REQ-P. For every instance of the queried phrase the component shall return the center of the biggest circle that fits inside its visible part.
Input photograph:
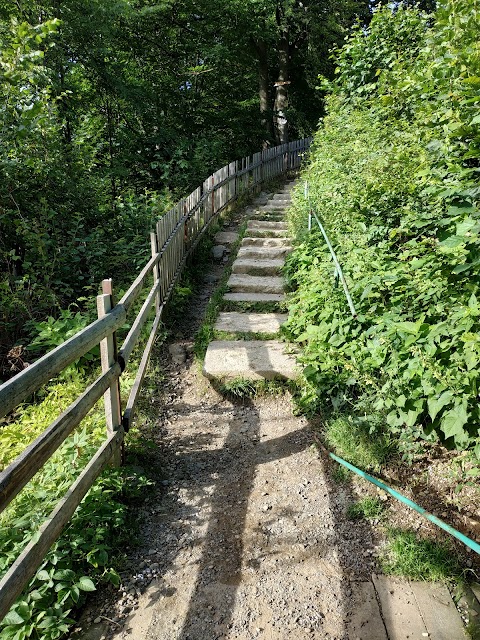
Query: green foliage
(419, 559)
(80, 559)
(53, 332)
(368, 508)
(394, 176)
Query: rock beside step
(258, 266)
(248, 359)
(245, 296)
(255, 284)
(226, 237)
(234, 322)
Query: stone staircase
(256, 278)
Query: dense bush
(394, 176)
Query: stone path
(256, 277)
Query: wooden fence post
(108, 354)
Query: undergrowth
(393, 174)
(243, 388)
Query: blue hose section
(413, 505)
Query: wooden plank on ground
(399, 609)
(438, 611)
(366, 621)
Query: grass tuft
(419, 559)
(243, 388)
(351, 439)
(367, 508)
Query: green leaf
(85, 584)
(465, 226)
(452, 242)
(454, 420)
(43, 575)
(436, 404)
(12, 618)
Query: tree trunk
(261, 51)
(281, 97)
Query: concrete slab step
(268, 253)
(274, 207)
(366, 621)
(255, 284)
(267, 224)
(280, 199)
(255, 266)
(266, 233)
(265, 242)
(235, 322)
(248, 359)
(416, 610)
(243, 296)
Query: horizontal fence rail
(174, 239)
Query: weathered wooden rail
(176, 235)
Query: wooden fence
(176, 235)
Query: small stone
(97, 620)
(217, 251)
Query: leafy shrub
(393, 174)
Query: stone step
(266, 224)
(267, 233)
(234, 322)
(265, 242)
(274, 207)
(258, 266)
(273, 216)
(254, 297)
(255, 284)
(248, 359)
(269, 253)
(282, 200)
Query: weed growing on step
(340, 474)
(419, 559)
(253, 307)
(243, 335)
(243, 388)
(368, 508)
